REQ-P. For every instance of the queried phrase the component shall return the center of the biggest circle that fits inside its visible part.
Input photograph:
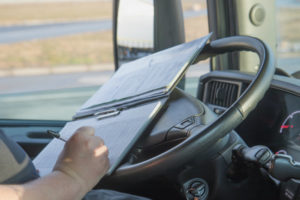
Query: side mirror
(142, 27)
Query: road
(58, 97)
(13, 34)
(21, 84)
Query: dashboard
(276, 120)
(274, 123)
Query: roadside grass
(288, 25)
(288, 32)
(24, 13)
(79, 49)
(82, 49)
(28, 13)
(195, 27)
(193, 4)
(96, 48)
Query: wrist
(73, 180)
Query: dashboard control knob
(196, 189)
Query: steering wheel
(207, 135)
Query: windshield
(56, 54)
(288, 29)
(279, 28)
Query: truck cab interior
(229, 133)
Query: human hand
(84, 158)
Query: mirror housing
(139, 31)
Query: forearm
(81, 164)
(54, 186)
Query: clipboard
(123, 108)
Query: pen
(56, 135)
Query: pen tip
(54, 134)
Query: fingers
(82, 134)
(87, 157)
(87, 130)
(101, 150)
(87, 136)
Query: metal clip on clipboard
(107, 113)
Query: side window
(288, 28)
(53, 56)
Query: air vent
(221, 93)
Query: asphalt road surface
(58, 97)
(21, 84)
(13, 34)
(60, 104)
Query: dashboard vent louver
(222, 93)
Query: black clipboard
(123, 108)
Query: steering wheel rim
(230, 119)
